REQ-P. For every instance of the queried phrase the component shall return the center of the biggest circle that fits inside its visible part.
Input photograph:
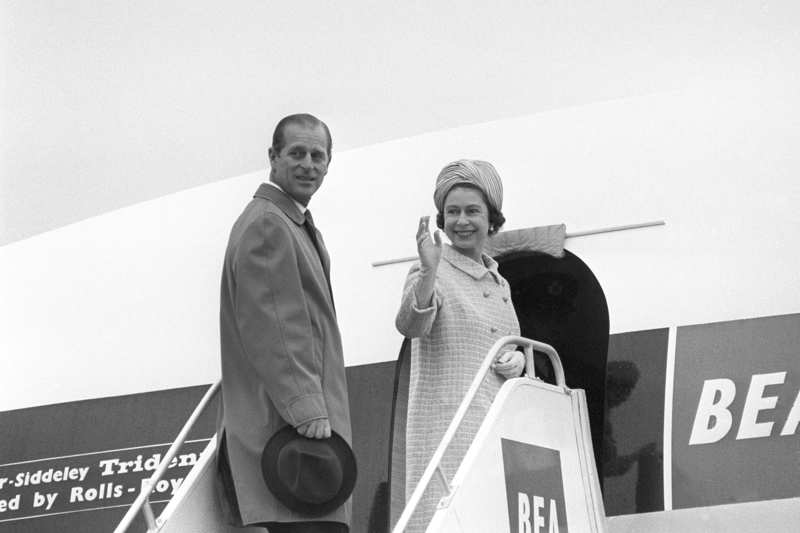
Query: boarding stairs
(530, 468)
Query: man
(281, 351)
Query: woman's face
(466, 221)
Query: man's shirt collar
(300, 206)
(286, 203)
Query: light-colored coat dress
(281, 351)
(471, 308)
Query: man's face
(301, 165)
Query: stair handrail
(434, 466)
(142, 501)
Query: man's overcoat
(282, 359)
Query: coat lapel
(470, 267)
(282, 200)
(288, 206)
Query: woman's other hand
(509, 364)
(429, 250)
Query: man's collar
(300, 206)
(465, 264)
(287, 204)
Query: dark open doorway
(560, 302)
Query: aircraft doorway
(560, 302)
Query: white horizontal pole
(572, 235)
(615, 228)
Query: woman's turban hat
(480, 174)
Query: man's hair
(302, 119)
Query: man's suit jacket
(281, 351)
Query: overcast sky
(106, 104)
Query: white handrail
(142, 502)
(434, 467)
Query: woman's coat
(470, 310)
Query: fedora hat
(309, 476)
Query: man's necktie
(312, 233)
(311, 229)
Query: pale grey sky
(106, 104)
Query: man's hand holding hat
(315, 429)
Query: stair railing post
(147, 509)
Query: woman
(455, 306)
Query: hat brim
(269, 470)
